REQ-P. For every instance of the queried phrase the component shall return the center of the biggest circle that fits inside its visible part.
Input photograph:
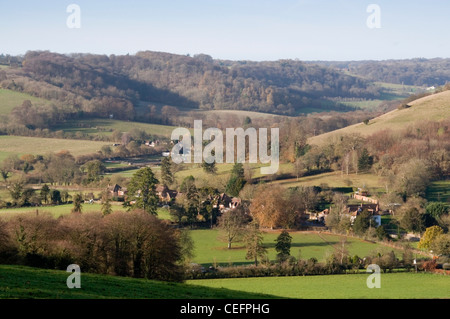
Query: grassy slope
(333, 179)
(106, 126)
(38, 145)
(10, 99)
(27, 282)
(439, 191)
(434, 107)
(393, 285)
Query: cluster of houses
(353, 210)
(223, 202)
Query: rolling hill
(435, 107)
(26, 282)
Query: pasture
(38, 145)
(393, 286)
(65, 209)
(10, 99)
(26, 282)
(439, 191)
(105, 127)
(334, 180)
(210, 249)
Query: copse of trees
(133, 243)
(274, 206)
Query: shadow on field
(299, 245)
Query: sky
(260, 30)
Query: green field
(210, 249)
(334, 179)
(38, 145)
(393, 286)
(439, 191)
(107, 126)
(61, 210)
(10, 99)
(26, 282)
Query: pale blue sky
(231, 29)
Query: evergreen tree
(77, 203)
(166, 171)
(362, 222)
(365, 161)
(44, 194)
(236, 181)
(55, 196)
(209, 168)
(106, 204)
(283, 246)
(141, 190)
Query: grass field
(62, 210)
(439, 191)
(106, 126)
(393, 286)
(209, 249)
(334, 179)
(10, 99)
(25, 282)
(38, 145)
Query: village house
(225, 202)
(352, 211)
(151, 143)
(355, 210)
(165, 194)
(117, 191)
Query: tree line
(135, 244)
(419, 71)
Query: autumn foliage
(135, 244)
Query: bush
(429, 265)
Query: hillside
(434, 107)
(26, 282)
(41, 146)
(102, 85)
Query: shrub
(429, 265)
